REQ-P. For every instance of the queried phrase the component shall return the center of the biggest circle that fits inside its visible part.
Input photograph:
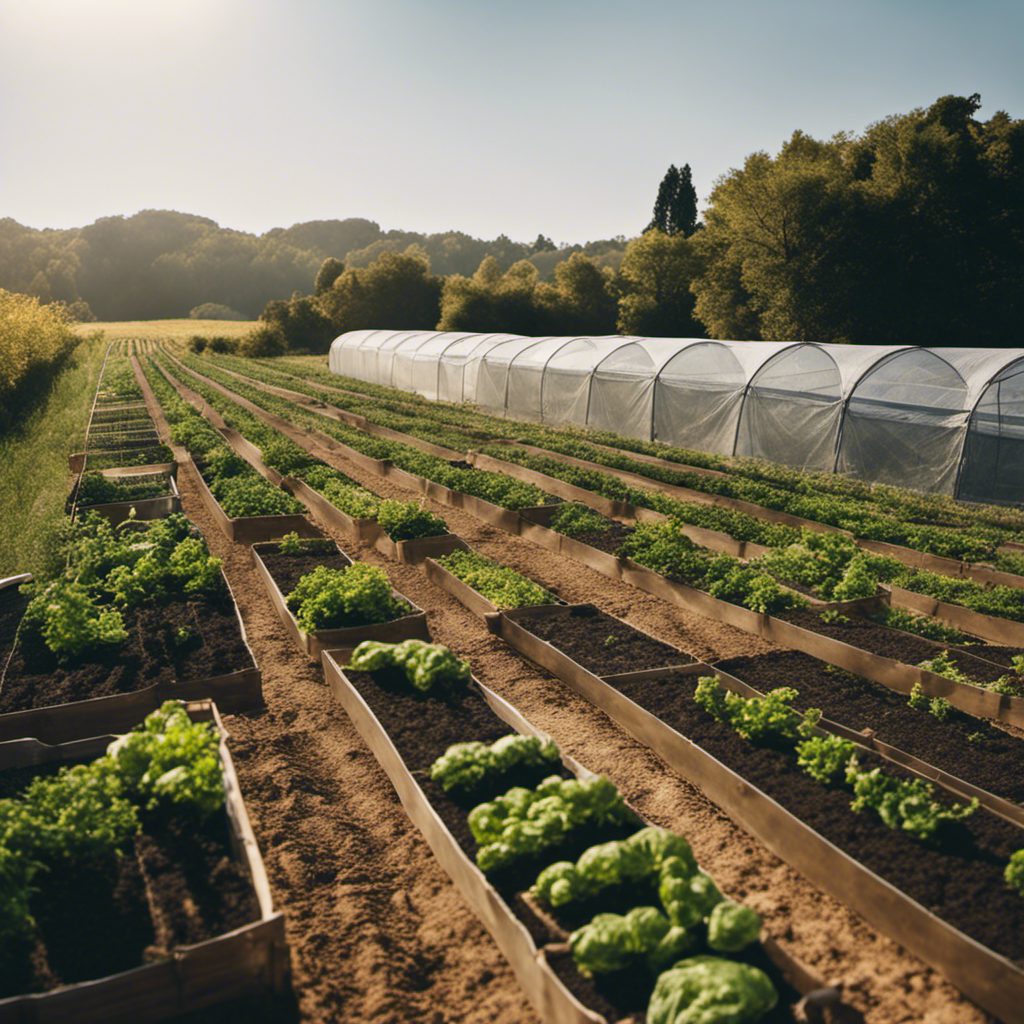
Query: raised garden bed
(281, 573)
(186, 918)
(407, 731)
(250, 529)
(182, 649)
(146, 508)
(657, 709)
(969, 748)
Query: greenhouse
(949, 421)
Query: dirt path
(377, 932)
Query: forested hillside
(161, 264)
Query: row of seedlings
(601, 916)
(124, 466)
(929, 524)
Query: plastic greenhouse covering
(944, 420)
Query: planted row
(871, 511)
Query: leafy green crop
(468, 766)
(408, 520)
(71, 622)
(524, 822)
(575, 519)
(357, 595)
(502, 586)
(90, 812)
(711, 990)
(1014, 873)
(426, 666)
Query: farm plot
(377, 893)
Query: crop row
(825, 562)
(767, 484)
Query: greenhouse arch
(948, 421)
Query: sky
(484, 116)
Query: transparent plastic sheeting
(949, 421)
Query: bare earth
(377, 931)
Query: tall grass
(34, 477)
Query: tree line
(161, 264)
(910, 233)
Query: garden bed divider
(413, 552)
(554, 1003)
(992, 981)
(407, 627)
(1004, 632)
(241, 690)
(249, 960)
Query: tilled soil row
(377, 931)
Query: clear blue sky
(481, 116)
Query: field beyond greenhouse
(636, 604)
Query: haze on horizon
(430, 116)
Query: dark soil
(582, 632)
(992, 759)
(1000, 655)
(287, 570)
(961, 881)
(871, 636)
(12, 607)
(609, 540)
(151, 654)
(179, 885)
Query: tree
(330, 270)
(656, 273)
(675, 209)
(542, 244)
(912, 233)
(397, 291)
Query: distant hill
(161, 264)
